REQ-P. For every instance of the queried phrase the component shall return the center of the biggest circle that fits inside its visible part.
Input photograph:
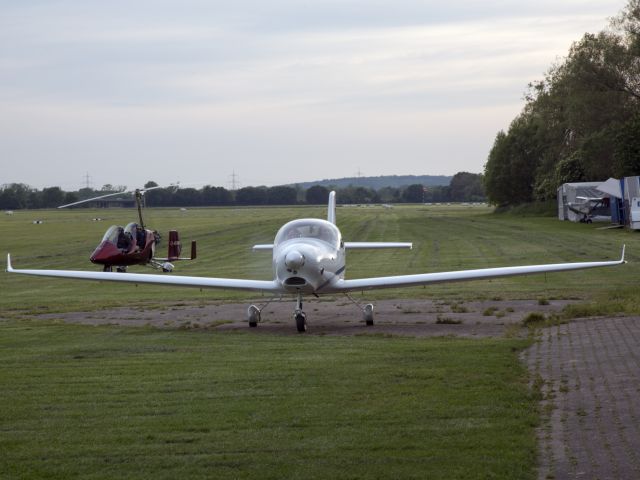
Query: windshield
(320, 229)
(112, 234)
(131, 228)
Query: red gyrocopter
(134, 244)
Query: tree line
(464, 187)
(581, 122)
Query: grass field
(97, 402)
(445, 238)
(115, 402)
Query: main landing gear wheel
(301, 322)
(367, 312)
(253, 315)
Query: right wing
(154, 279)
(464, 275)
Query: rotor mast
(139, 197)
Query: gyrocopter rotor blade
(138, 192)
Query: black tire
(301, 322)
(368, 315)
(253, 324)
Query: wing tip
(9, 267)
(622, 260)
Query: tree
(15, 196)
(216, 196)
(413, 193)
(466, 187)
(627, 149)
(282, 195)
(52, 197)
(571, 126)
(317, 195)
(251, 196)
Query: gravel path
(590, 376)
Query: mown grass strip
(106, 402)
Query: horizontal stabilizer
(356, 245)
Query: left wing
(483, 273)
(199, 282)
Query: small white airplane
(309, 259)
(586, 206)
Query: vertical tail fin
(331, 209)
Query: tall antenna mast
(87, 180)
(234, 182)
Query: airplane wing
(139, 278)
(591, 199)
(462, 275)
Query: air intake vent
(297, 281)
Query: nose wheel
(299, 315)
(301, 322)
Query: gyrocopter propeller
(134, 244)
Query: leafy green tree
(15, 196)
(577, 121)
(251, 196)
(52, 197)
(413, 194)
(317, 195)
(627, 149)
(282, 195)
(466, 187)
(216, 196)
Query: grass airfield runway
(204, 395)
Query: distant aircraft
(587, 206)
(134, 244)
(309, 259)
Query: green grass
(445, 238)
(111, 402)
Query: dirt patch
(335, 317)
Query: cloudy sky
(277, 91)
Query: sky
(275, 92)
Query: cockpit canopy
(309, 228)
(116, 231)
(112, 234)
